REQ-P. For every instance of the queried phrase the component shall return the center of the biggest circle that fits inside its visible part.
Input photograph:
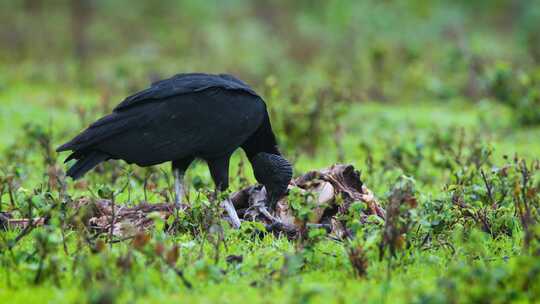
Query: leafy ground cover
(436, 103)
(458, 243)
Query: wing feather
(184, 84)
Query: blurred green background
(375, 50)
(334, 73)
(302, 56)
(395, 48)
(338, 76)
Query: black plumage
(182, 118)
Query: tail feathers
(86, 163)
(74, 155)
(103, 129)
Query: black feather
(182, 118)
(86, 163)
(184, 84)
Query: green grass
(325, 275)
(443, 92)
(325, 279)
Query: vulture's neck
(269, 167)
(263, 140)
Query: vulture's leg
(179, 167)
(178, 186)
(219, 169)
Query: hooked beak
(274, 172)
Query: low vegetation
(435, 103)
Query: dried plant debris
(315, 199)
(8, 222)
(398, 222)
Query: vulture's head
(274, 172)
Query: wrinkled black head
(274, 172)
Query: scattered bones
(328, 192)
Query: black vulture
(182, 118)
